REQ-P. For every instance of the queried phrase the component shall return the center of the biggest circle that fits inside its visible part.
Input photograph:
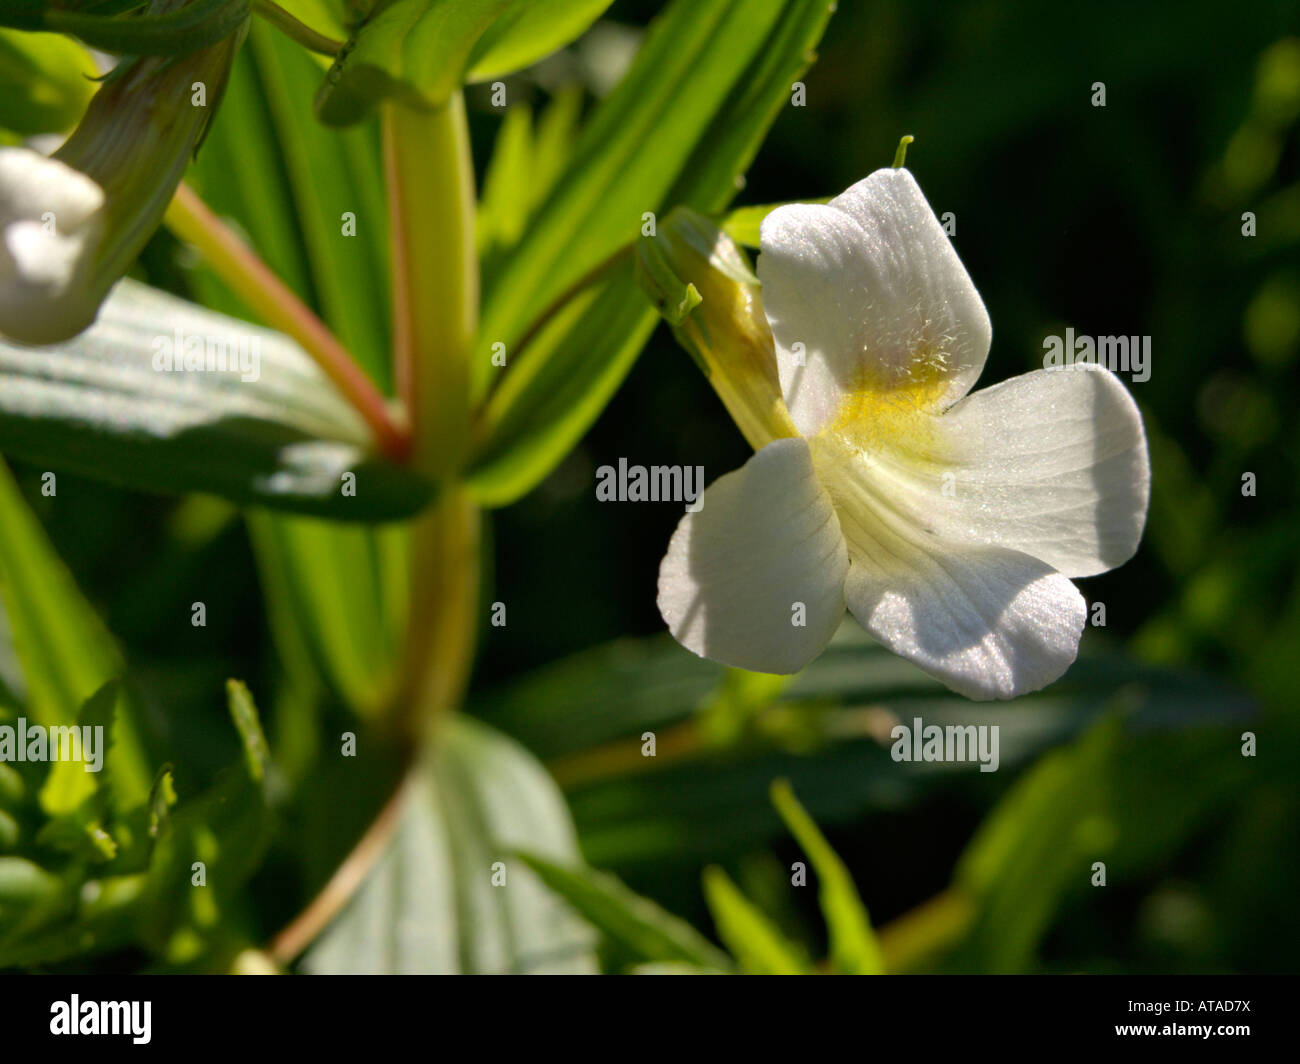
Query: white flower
(51, 223)
(948, 524)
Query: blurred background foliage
(1122, 220)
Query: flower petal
(987, 621)
(872, 289)
(1054, 465)
(765, 540)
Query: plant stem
(293, 28)
(275, 303)
(435, 275)
(435, 318)
(442, 622)
(298, 935)
(674, 744)
(430, 177)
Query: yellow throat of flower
(894, 408)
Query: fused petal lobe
(1054, 465)
(755, 578)
(988, 621)
(867, 295)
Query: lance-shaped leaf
(424, 50)
(65, 652)
(529, 30)
(112, 404)
(748, 932)
(632, 922)
(854, 949)
(679, 130)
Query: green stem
(430, 179)
(435, 275)
(442, 621)
(296, 30)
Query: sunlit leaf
(755, 941)
(854, 950)
(528, 31)
(633, 922)
(421, 51)
(96, 405)
(429, 905)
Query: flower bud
(51, 223)
(702, 284)
(71, 225)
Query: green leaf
(743, 224)
(162, 30)
(96, 405)
(330, 173)
(22, 882)
(710, 801)
(45, 82)
(80, 804)
(629, 920)
(257, 755)
(345, 629)
(66, 654)
(162, 796)
(854, 949)
(429, 904)
(508, 195)
(421, 51)
(287, 183)
(415, 50)
(548, 401)
(679, 129)
(528, 31)
(606, 694)
(1121, 794)
(329, 17)
(754, 940)
(221, 833)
